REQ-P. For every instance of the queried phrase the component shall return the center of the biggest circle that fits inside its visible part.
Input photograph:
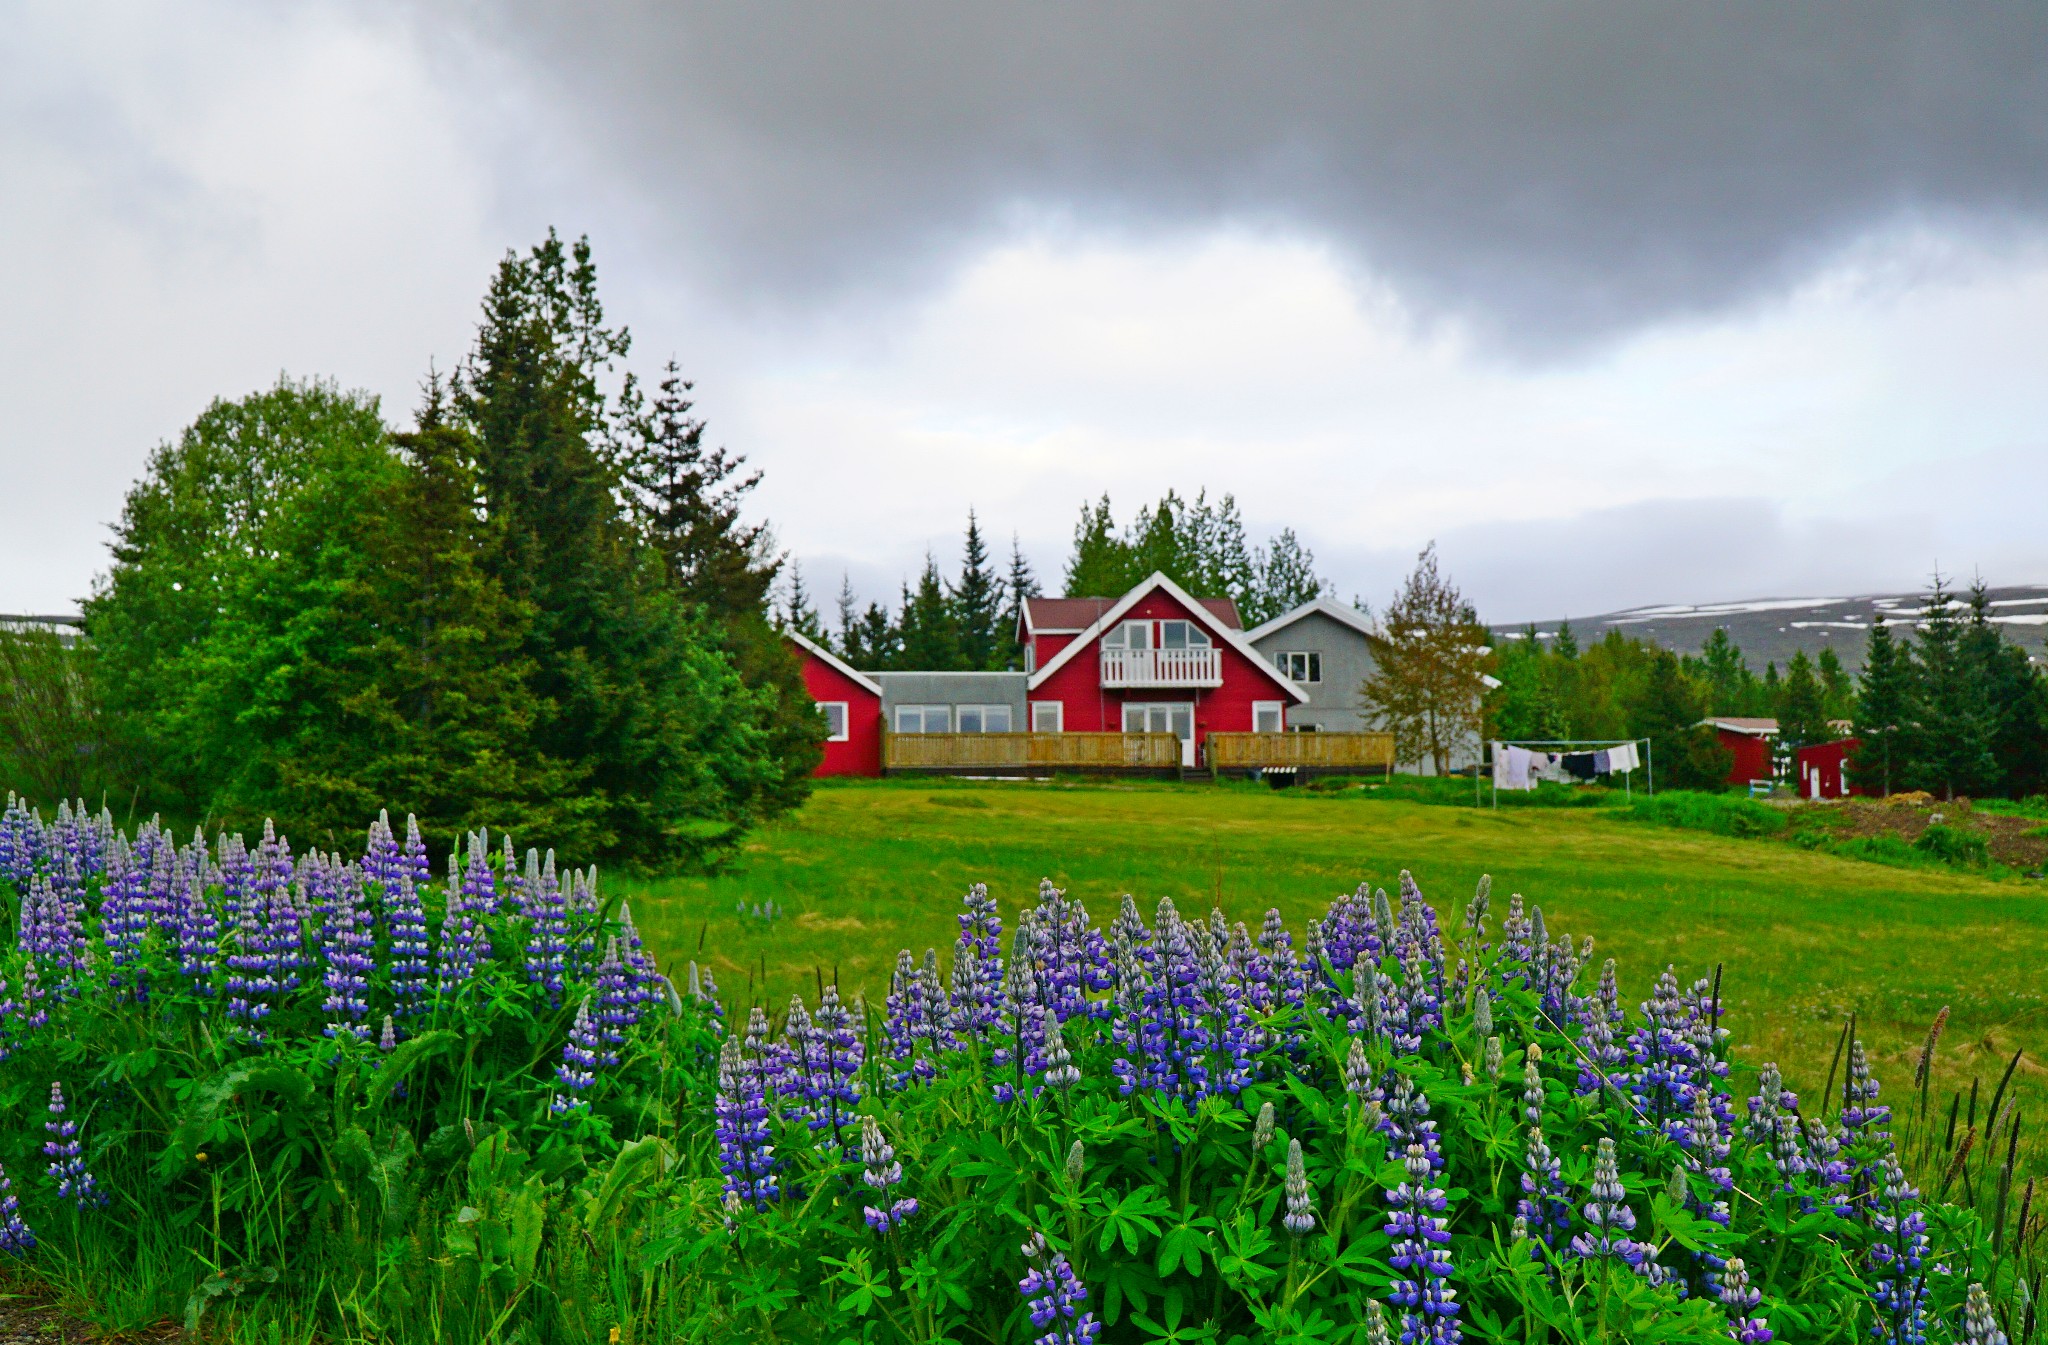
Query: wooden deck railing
(955, 751)
(1324, 751)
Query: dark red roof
(1058, 614)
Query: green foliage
(1883, 712)
(1200, 545)
(1953, 845)
(54, 739)
(1802, 706)
(1722, 814)
(234, 560)
(1953, 721)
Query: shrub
(1953, 845)
(1170, 1128)
(1723, 814)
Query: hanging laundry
(1579, 765)
(1519, 761)
(1500, 766)
(1600, 766)
(1623, 758)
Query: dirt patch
(2017, 842)
(28, 1317)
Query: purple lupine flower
(67, 1163)
(1980, 1324)
(586, 918)
(196, 927)
(253, 978)
(1665, 1058)
(20, 841)
(9, 1007)
(1165, 1036)
(464, 942)
(1545, 1209)
(1897, 1257)
(618, 1009)
(1407, 1125)
(1275, 978)
(1862, 1116)
(16, 1239)
(1603, 1059)
(1376, 1332)
(413, 861)
(1024, 1011)
(547, 936)
(34, 1013)
(1237, 1036)
(1357, 1074)
(1771, 1101)
(835, 1051)
(1060, 1071)
(977, 986)
(1073, 959)
(1054, 1295)
(124, 918)
(1740, 1299)
(1609, 1220)
(582, 1055)
(407, 920)
(346, 944)
(1532, 1085)
(883, 1174)
(382, 864)
(914, 1016)
(387, 1040)
(1421, 1255)
(1516, 950)
(740, 1109)
(1830, 1170)
(647, 981)
(1300, 1219)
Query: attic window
(1182, 635)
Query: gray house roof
(1329, 607)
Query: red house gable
(1045, 626)
(1749, 742)
(855, 701)
(1196, 675)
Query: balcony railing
(1162, 668)
(1323, 751)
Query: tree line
(537, 605)
(970, 621)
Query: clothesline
(1516, 767)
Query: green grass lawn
(868, 868)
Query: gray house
(1321, 647)
(952, 702)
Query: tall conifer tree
(1953, 721)
(1884, 696)
(976, 599)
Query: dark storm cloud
(1554, 171)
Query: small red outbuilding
(1823, 770)
(852, 705)
(1751, 741)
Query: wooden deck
(1311, 751)
(1026, 751)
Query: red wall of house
(1752, 756)
(1222, 709)
(1048, 647)
(1827, 759)
(861, 753)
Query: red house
(1823, 770)
(1752, 741)
(852, 705)
(1155, 660)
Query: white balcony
(1162, 668)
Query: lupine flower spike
(67, 1165)
(883, 1175)
(1054, 1295)
(1300, 1219)
(1741, 1300)
(1980, 1327)
(15, 1237)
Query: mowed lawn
(1804, 939)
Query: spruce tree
(872, 641)
(1287, 578)
(976, 600)
(1726, 674)
(1101, 564)
(1838, 690)
(2016, 696)
(677, 749)
(1019, 585)
(1686, 753)
(847, 617)
(1802, 706)
(1884, 694)
(798, 612)
(929, 637)
(1953, 720)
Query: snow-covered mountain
(1770, 629)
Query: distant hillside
(1770, 629)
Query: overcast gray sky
(1620, 303)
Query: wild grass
(1805, 938)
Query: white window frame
(1311, 666)
(981, 714)
(845, 732)
(1119, 635)
(1196, 637)
(1278, 711)
(1039, 716)
(923, 712)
